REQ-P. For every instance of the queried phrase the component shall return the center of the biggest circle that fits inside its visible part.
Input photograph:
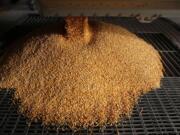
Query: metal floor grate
(169, 53)
(157, 112)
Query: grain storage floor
(157, 112)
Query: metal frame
(143, 10)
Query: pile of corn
(91, 75)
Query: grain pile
(91, 75)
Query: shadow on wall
(156, 112)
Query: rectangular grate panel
(159, 41)
(171, 63)
(169, 52)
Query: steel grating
(157, 112)
(169, 53)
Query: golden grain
(92, 75)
